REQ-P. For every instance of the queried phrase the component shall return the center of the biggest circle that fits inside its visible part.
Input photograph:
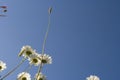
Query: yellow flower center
(40, 78)
(35, 60)
(0, 67)
(24, 78)
(44, 61)
(28, 53)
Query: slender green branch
(46, 35)
(27, 69)
(11, 71)
(45, 38)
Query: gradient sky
(84, 38)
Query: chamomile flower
(45, 59)
(2, 66)
(24, 76)
(93, 77)
(40, 76)
(34, 59)
(26, 51)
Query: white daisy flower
(24, 76)
(45, 59)
(34, 59)
(40, 76)
(2, 66)
(93, 77)
(26, 51)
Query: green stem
(11, 71)
(46, 35)
(45, 38)
(27, 69)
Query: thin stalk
(46, 35)
(27, 69)
(45, 38)
(11, 71)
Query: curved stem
(45, 38)
(46, 35)
(10, 72)
(44, 42)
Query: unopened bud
(50, 10)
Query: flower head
(34, 59)
(93, 77)
(24, 76)
(2, 66)
(40, 76)
(26, 51)
(45, 59)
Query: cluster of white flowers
(34, 59)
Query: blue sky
(84, 37)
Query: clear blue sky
(84, 37)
